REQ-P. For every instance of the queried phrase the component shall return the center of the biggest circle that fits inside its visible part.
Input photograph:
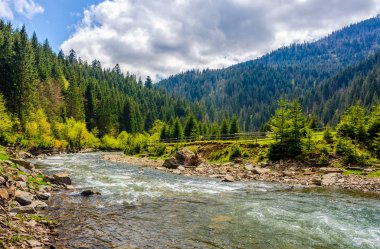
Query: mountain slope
(251, 89)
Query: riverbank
(289, 172)
(24, 195)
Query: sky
(165, 37)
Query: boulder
(21, 184)
(22, 178)
(4, 195)
(24, 198)
(228, 178)
(38, 205)
(34, 243)
(43, 195)
(171, 163)
(62, 178)
(181, 168)
(183, 157)
(2, 181)
(23, 163)
(259, 171)
(330, 179)
(89, 192)
(248, 167)
(23, 210)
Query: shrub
(351, 154)
(159, 149)
(328, 136)
(235, 152)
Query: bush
(351, 154)
(159, 149)
(328, 136)
(235, 152)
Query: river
(145, 208)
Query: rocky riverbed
(24, 195)
(290, 172)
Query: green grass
(36, 182)
(352, 172)
(374, 174)
(3, 156)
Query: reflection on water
(145, 208)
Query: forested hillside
(251, 89)
(33, 77)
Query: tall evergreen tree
(177, 131)
(191, 127)
(148, 82)
(25, 80)
(234, 127)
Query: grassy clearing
(374, 174)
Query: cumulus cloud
(27, 8)
(160, 38)
(5, 10)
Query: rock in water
(90, 192)
(171, 163)
(184, 157)
(62, 178)
(24, 198)
(43, 195)
(228, 178)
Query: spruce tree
(24, 78)
(148, 82)
(234, 127)
(224, 128)
(177, 131)
(191, 127)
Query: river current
(146, 208)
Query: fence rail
(246, 136)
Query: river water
(145, 208)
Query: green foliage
(224, 128)
(234, 127)
(352, 172)
(289, 127)
(36, 182)
(5, 123)
(351, 154)
(160, 149)
(374, 174)
(191, 127)
(327, 135)
(177, 131)
(353, 124)
(235, 152)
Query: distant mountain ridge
(250, 89)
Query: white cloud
(27, 8)
(5, 10)
(160, 38)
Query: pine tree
(234, 127)
(148, 82)
(24, 78)
(177, 131)
(191, 127)
(224, 128)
